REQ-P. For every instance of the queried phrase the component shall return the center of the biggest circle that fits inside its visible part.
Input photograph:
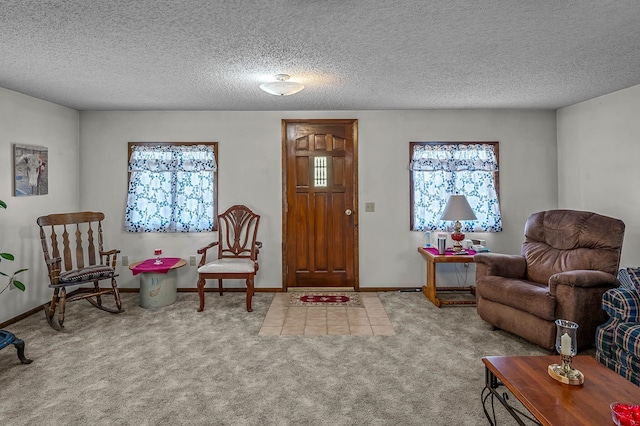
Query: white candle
(565, 344)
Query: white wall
(26, 120)
(250, 172)
(598, 150)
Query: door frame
(356, 239)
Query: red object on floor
(324, 299)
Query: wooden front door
(320, 230)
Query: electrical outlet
(125, 260)
(369, 207)
(192, 261)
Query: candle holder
(157, 253)
(567, 347)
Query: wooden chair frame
(83, 257)
(237, 233)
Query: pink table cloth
(150, 266)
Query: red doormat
(305, 298)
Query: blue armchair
(618, 340)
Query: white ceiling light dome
(282, 87)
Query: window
(172, 187)
(439, 169)
(320, 171)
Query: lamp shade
(282, 87)
(458, 208)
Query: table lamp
(457, 209)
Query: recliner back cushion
(567, 240)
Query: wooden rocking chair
(237, 252)
(80, 259)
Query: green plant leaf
(7, 256)
(18, 285)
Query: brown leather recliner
(569, 259)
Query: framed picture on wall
(30, 170)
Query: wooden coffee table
(549, 401)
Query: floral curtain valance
(454, 158)
(173, 158)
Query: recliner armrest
(502, 265)
(581, 278)
(622, 304)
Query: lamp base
(570, 377)
(457, 238)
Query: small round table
(157, 289)
(7, 338)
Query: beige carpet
(175, 366)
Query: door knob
(348, 212)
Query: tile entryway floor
(369, 320)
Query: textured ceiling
(351, 54)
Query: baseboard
(20, 317)
(209, 290)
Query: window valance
(173, 158)
(454, 158)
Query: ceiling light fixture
(282, 87)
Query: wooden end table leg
(430, 289)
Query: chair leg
(50, 308)
(96, 288)
(249, 293)
(61, 308)
(220, 286)
(201, 283)
(116, 294)
(19, 345)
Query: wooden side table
(159, 289)
(430, 290)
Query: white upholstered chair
(237, 252)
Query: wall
(26, 120)
(598, 150)
(250, 173)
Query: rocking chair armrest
(55, 260)
(110, 252)
(54, 267)
(111, 257)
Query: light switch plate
(125, 260)
(369, 207)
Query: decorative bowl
(625, 414)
